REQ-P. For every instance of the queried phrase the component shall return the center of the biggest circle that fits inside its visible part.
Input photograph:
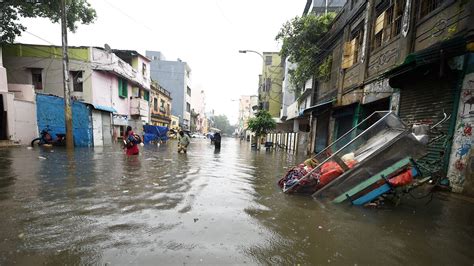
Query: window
(388, 23)
(146, 96)
(135, 92)
(122, 87)
(76, 80)
(188, 107)
(353, 47)
(144, 69)
(357, 38)
(188, 91)
(268, 60)
(162, 106)
(37, 78)
(155, 104)
(427, 6)
(168, 108)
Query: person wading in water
(131, 141)
(183, 142)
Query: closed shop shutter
(425, 100)
(322, 127)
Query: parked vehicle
(46, 138)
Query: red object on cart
(402, 179)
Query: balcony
(139, 107)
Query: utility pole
(67, 96)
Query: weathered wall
(461, 168)
(19, 72)
(105, 92)
(23, 92)
(26, 127)
(50, 112)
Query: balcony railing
(139, 107)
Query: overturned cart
(371, 159)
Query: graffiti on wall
(463, 139)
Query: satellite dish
(107, 48)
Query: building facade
(248, 105)
(115, 83)
(405, 56)
(18, 124)
(198, 107)
(175, 76)
(271, 82)
(160, 106)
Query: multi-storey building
(175, 77)
(271, 81)
(412, 57)
(198, 107)
(248, 104)
(115, 83)
(160, 105)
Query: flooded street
(97, 206)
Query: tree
(222, 122)
(261, 124)
(11, 10)
(300, 43)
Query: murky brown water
(96, 206)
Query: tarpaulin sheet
(154, 133)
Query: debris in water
(320, 227)
(41, 157)
(29, 148)
(21, 235)
(196, 219)
(125, 191)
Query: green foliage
(11, 10)
(300, 37)
(262, 123)
(324, 69)
(222, 122)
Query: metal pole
(67, 97)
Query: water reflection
(99, 206)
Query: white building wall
(288, 95)
(3, 74)
(26, 126)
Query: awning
(104, 108)
(319, 106)
(431, 55)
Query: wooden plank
(372, 180)
(372, 195)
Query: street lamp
(264, 80)
(252, 51)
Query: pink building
(116, 83)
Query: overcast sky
(207, 34)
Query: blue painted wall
(170, 75)
(50, 112)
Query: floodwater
(96, 206)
